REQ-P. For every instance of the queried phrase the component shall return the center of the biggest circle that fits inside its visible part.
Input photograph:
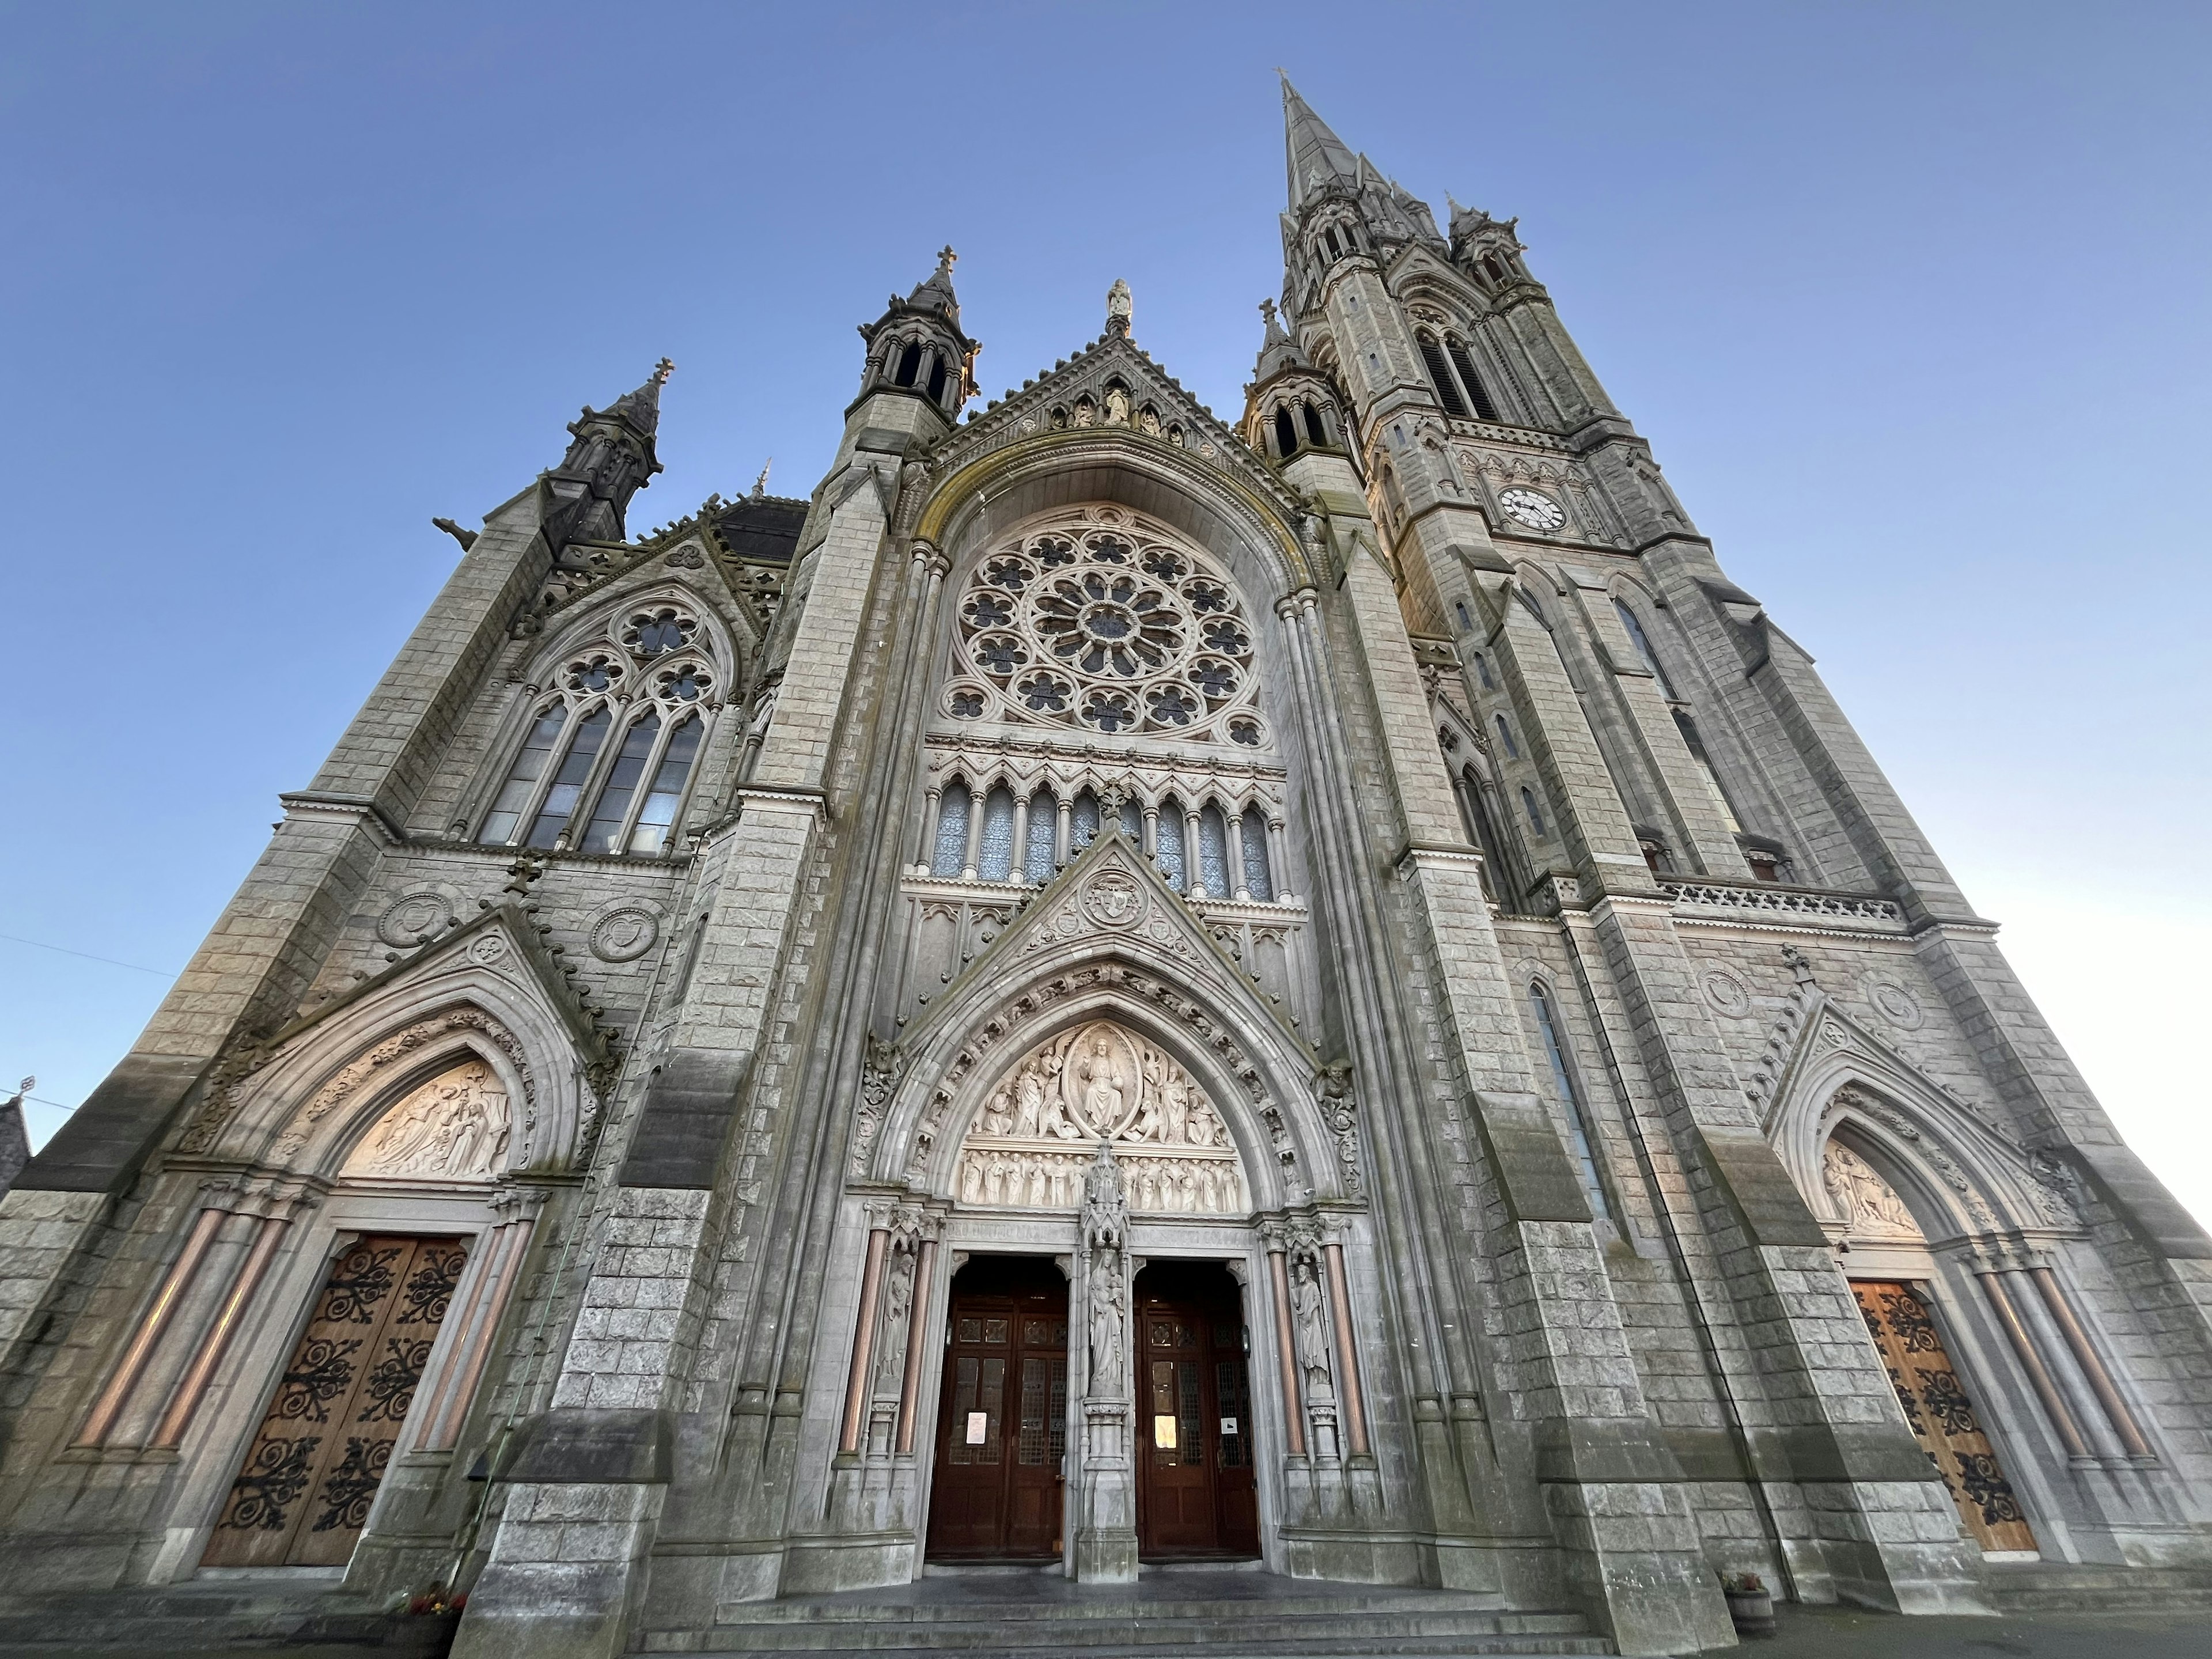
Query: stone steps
(2057, 1586)
(1163, 1627)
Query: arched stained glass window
(1044, 831)
(1476, 395)
(1084, 827)
(1440, 375)
(1213, 852)
(1259, 879)
(1643, 644)
(666, 792)
(569, 783)
(1505, 737)
(1578, 1134)
(950, 856)
(522, 777)
(603, 833)
(1535, 812)
(1167, 844)
(996, 861)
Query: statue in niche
(1117, 406)
(1309, 1320)
(1868, 1203)
(1028, 1110)
(1106, 1324)
(455, 1127)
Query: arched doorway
(1002, 1414)
(1195, 1494)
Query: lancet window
(609, 757)
(1570, 1101)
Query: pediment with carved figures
(453, 1128)
(1037, 1131)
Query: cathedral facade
(1110, 990)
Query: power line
(40, 945)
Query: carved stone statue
(1309, 1320)
(1867, 1202)
(1106, 1311)
(453, 1128)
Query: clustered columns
(888, 1334)
(1318, 1360)
(182, 1336)
(2015, 1289)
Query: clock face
(1537, 511)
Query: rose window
(1111, 628)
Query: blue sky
(1910, 299)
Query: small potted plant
(1751, 1607)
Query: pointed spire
(937, 290)
(1313, 154)
(1278, 351)
(760, 484)
(641, 408)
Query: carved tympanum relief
(454, 1127)
(1869, 1203)
(1032, 1140)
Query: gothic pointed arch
(1109, 941)
(1961, 1176)
(315, 1097)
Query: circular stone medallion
(1112, 899)
(624, 935)
(409, 919)
(1894, 1003)
(1727, 992)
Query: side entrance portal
(1941, 1414)
(302, 1495)
(1194, 1490)
(1002, 1427)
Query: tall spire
(1311, 152)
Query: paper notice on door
(1228, 1426)
(1163, 1432)
(979, 1427)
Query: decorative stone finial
(760, 484)
(1117, 309)
(662, 370)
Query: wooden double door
(1195, 1495)
(1002, 1419)
(1942, 1416)
(303, 1494)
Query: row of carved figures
(1176, 1186)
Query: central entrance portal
(1002, 1429)
(1195, 1491)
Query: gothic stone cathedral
(1110, 990)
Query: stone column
(1063, 832)
(1106, 1502)
(1237, 884)
(2031, 1361)
(1347, 1354)
(1020, 871)
(1279, 1296)
(864, 1332)
(2092, 1363)
(925, 1268)
(976, 795)
(933, 803)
